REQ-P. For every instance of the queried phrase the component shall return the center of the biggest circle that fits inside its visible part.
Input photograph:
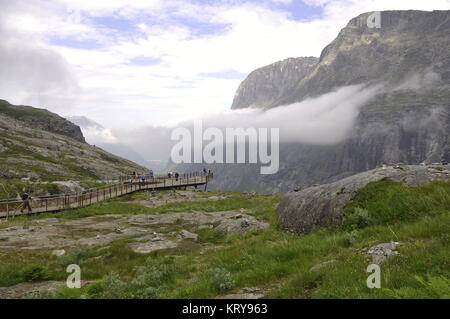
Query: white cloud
(119, 94)
(324, 120)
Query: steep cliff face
(407, 43)
(408, 121)
(265, 87)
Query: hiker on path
(143, 177)
(176, 176)
(26, 203)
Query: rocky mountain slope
(42, 119)
(38, 145)
(268, 85)
(407, 43)
(407, 121)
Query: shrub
(152, 279)
(52, 189)
(78, 256)
(221, 279)
(110, 287)
(34, 272)
(352, 237)
(357, 219)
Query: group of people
(143, 176)
(150, 176)
(173, 174)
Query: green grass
(390, 202)
(261, 205)
(272, 259)
(101, 208)
(206, 235)
(233, 202)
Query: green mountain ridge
(39, 146)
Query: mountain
(41, 146)
(407, 121)
(266, 86)
(42, 119)
(407, 43)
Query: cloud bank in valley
(323, 120)
(327, 119)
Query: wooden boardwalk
(127, 185)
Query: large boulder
(321, 206)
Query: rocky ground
(149, 232)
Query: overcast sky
(153, 62)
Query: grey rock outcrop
(381, 252)
(321, 206)
(265, 87)
(321, 265)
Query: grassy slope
(36, 116)
(43, 146)
(273, 259)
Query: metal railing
(128, 184)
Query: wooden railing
(128, 184)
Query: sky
(139, 63)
